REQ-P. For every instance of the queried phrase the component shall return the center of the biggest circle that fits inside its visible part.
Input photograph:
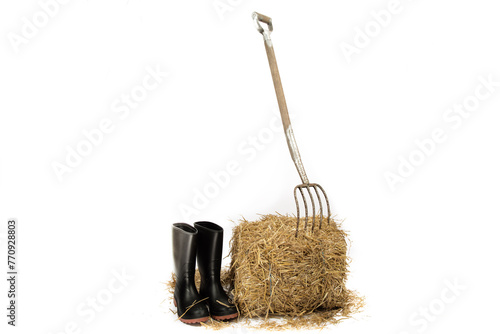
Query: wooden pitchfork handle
(285, 118)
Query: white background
(352, 121)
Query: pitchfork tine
(305, 207)
(313, 206)
(327, 202)
(298, 210)
(320, 205)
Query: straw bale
(274, 272)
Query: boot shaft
(209, 255)
(184, 241)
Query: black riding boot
(184, 241)
(209, 256)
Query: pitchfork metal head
(308, 187)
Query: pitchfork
(287, 126)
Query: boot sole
(225, 317)
(191, 321)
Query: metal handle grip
(257, 17)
